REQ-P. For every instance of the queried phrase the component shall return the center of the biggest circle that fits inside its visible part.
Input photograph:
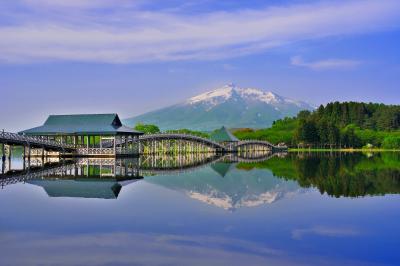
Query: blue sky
(132, 56)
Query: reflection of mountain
(224, 186)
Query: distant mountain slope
(230, 106)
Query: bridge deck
(33, 142)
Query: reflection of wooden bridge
(164, 165)
(126, 168)
(103, 168)
(13, 177)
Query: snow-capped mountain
(232, 92)
(229, 105)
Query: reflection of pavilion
(222, 168)
(107, 188)
(85, 178)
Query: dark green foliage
(338, 174)
(147, 128)
(364, 115)
(347, 124)
(336, 125)
(307, 131)
(391, 142)
(281, 131)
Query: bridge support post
(42, 156)
(3, 152)
(9, 152)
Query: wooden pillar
(43, 156)
(3, 148)
(115, 140)
(9, 152)
(126, 144)
(9, 157)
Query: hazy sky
(132, 56)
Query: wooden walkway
(8, 138)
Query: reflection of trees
(339, 174)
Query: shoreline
(341, 150)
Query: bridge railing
(177, 135)
(33, 140)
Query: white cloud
(132, 35)
(326, 64)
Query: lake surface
(294, 209)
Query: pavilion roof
(75, 188)
(222, 168)
(223, 135)
(91, 124)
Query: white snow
(223, 93)
(220, 95)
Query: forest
(336, 125)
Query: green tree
(147, 128)
(307, 132)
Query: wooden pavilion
(91, 134)
(224, 137)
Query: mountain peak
(221, 94)
(227, 91)
(229, 105)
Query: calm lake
(288, 209)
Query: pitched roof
(81, 124)
(223, 135)
(222, 168)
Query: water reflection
(230, 181)
(211, 210)
(338, 174)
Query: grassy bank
(343, 150)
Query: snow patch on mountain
(231, 91)
(214, 96)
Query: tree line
(349, 124)
(335, 125)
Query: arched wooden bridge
(152, 143)
(148, 144)
(164, 139)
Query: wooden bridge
(164, 143)
(183, 143)
(177, 143)
(30, 142)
